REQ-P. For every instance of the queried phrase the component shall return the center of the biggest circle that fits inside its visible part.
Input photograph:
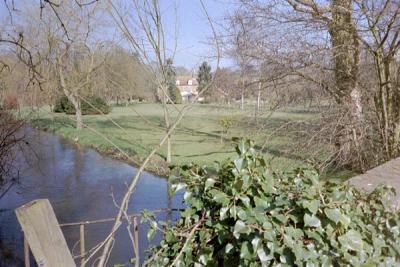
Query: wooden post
(82, 244)
(136, 240)
(44, 235)
(26, 253)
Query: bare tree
(11, 140)
(74, 56)
(124, 77)
(379, 33)
(144, 30)
(106, 245)
(311, 37)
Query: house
(187, 85)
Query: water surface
(80, 184)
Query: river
(79, 184)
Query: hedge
(63, 105)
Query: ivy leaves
(333, 214)
(311, 220)
(253, 217)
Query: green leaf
(240, 228)
(245, 251)
(255, 242)
(242, 214)
(352, 240)
(288, 241)
(228, 248)
(238, 164)
(280, 217)
(345, 220)
(178, 187)
(241, 147)
(311, 221)
(261, 203)
(333, 214)
(222, 213)
(209, 183)
(150, 234)
(264, 258)
(311, 205)
(220, 197)
(233, 212)
(187, 196)
(246, 200)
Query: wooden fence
(83, 253)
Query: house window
(190, 82)
(178, 82)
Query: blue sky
(194, 29)
(193, 26)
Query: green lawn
(199, 138)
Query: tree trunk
(169, 157)
(387, 100)
(257, 109)
(77, 106)
(167, 126)
(78, 115)
(76, 102)
(346, 53)
(242, 101)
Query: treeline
(119, 78)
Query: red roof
(184, 80)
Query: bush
(97, 102)
(63, 105)
(245, 215)
(226, 123)
(178, 96)
(10, 100)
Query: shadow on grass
(205, 154)
(135, 148)
(131, 123)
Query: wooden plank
(136, 241)
(26, 253)
(44, 236)
(82, 243)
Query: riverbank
(202, 137)
(156, 165)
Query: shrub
(10, 100)
(178, 96)
(97, 102)
(63, 105)
(226, 123)
(245, 215)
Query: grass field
(199, 138)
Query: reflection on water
(79, 184)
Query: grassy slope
(197, 139)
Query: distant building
(187, 85)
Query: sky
(194, 30)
